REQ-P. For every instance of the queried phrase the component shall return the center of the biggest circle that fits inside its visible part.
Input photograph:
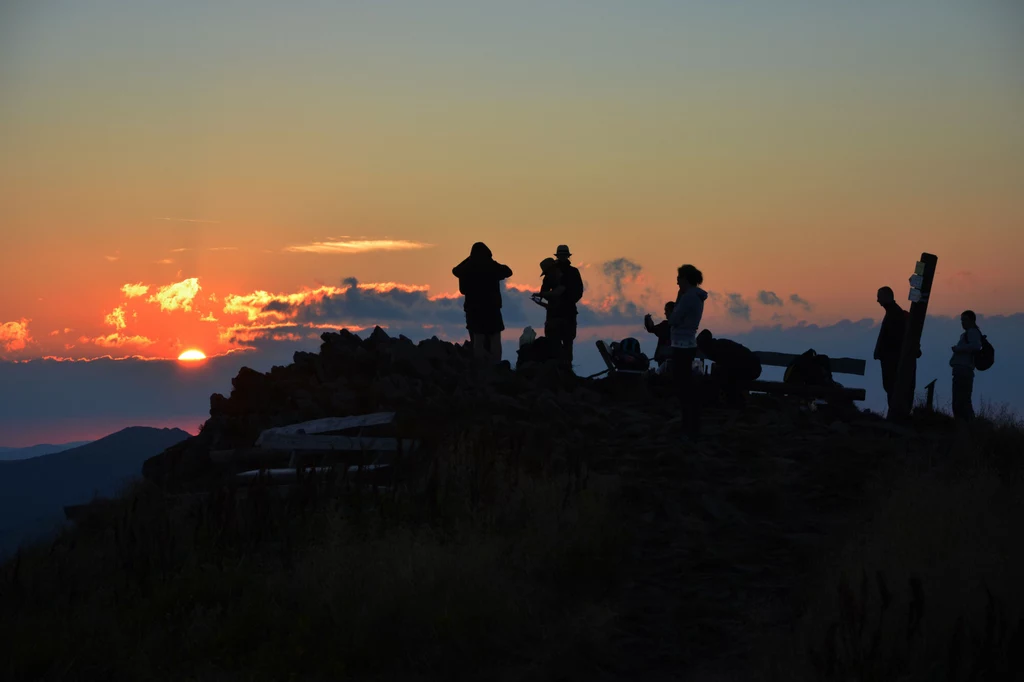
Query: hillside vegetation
(551, 528)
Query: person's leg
(889, 369)
(495, 342)
(963, 385)
(968, 381)
(682, 374)
(570, 337)
(479, 342)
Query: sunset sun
(192, 355)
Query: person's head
(885, 296)
(689, 276)
(562, 253)
(669, 307)
(968, 319)
(704, 339)
(480, 250)
(549, 267)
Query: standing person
(480, 282)
(561, 318)
(889, 345)
(962, 363)
(685, 319)
(663, 331)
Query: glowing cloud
(177, 296)
(14, 335)
(135, 290)
(115, 340)
(116, 319)
(357, 246)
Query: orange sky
(203, 155)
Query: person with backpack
(735, 365)
(562, 288)
(480, 282)
(683, 323)
(889, 345)
(663, 332)
(963, 362)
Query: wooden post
(930, 404)
(920, 289)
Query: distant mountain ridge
(34, 491)
(29, 451)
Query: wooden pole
(920, 290)
(930, 405)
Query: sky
(170, 170)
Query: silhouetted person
(962, 363)
(889, 346)
(562, 294)
(480, 282)
(683, 322)
(735, 365)
(663, 331)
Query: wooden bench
(317, 446)
(852, 366)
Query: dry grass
(483, 570)
(931, 589)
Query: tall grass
(483, 569)
(931, 589)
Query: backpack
(810, 369)
(985, 357)
(626, 354)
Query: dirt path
(727, 534)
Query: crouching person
(735, 366)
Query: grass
(483, 572)
(931, 588)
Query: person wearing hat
(480, 282)
(564, 288)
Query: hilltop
(550, 527)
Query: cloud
(357, 246)
(58, 332)
(620, 271)
(736, 307)
(223, 248)
(189, 220)
(164, 261)
(15, 335)
(768, 298)
(135, 290)
(796, 299)
(116, 340)
(181, 250)
(112, 258)
(116, 319)
(177, 296)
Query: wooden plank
(327, 443)
(853, 366)
(805, 391)
(837, 365)
(328, 424)
(606, 356)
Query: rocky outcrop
(434, 386)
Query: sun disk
(192, 355)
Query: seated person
(541, 349)
(735, 365)
(663, 331)
(626, 355)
